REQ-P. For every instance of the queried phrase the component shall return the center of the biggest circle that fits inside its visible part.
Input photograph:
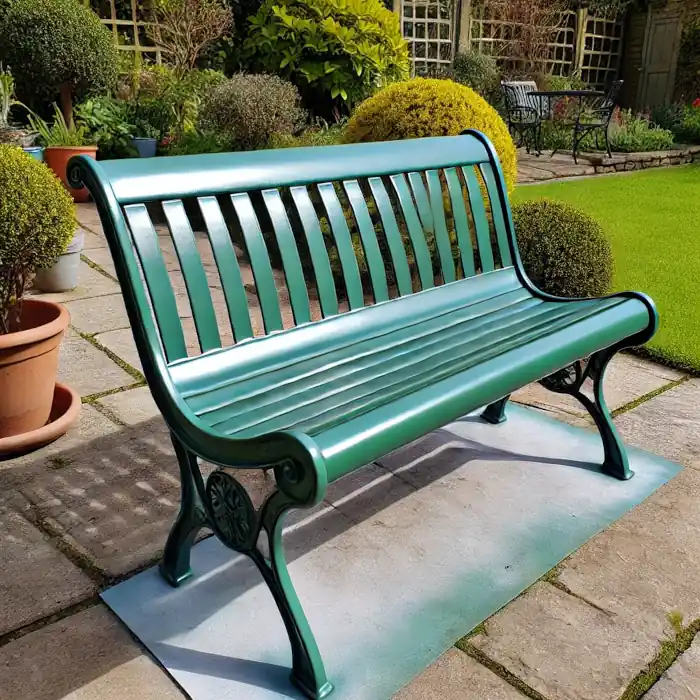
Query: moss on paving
(140, 379)
(651, 218)
(670, 650)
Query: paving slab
(627, 379)
(564, 648)
(682, 680)
(456, 676)
(91, 426)
(114, 500)
(133, 406)
(87, 656)
(97, 314)
(647, 564)
(102, 257)
(668, 424)
(93, 239)
(121, 343)
(37, 580)
(87, 369)
(91, 283)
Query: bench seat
(364, 383)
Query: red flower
(696, 103)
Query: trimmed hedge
(563, 249)
(431, 107)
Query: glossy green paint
(324, 398)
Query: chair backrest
(611, 99)
(517, 94)
(345, 226)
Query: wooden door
(660, 56)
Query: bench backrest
(373, 221)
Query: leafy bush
(431, 107)
(337, 52)
(196, 142)
(322, 134)
(563, 249)
(668, 116)
(57, 48)
(59, 132)
(248, 109)
(479, 72)
(630, 133)
(36, 224)
(106, 122)
(688, 131)
(165, 99)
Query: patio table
(546, 97)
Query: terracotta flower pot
(57, 157)
(28, 363)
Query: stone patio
(95, 507)
(548, 166)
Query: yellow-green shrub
(37, 221)
(431, 107)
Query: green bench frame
(443, 346)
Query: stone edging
(641, 161)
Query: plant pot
(28, 363)
(57, 157)
(36, 152)
(146, 147)
(62, 276)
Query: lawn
(653, 221)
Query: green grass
(653, 221)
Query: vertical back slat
(229, 270)
(393, 236)
(365, 225)
(481, 224)
(343, 242)
(422, 202)
(160, 290)
(259, 262)
(461, 222)
(415, 232)
(317, 250)
(293, 272)
(192, 269)
(497, 213)
(442, 237)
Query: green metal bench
(441, 320)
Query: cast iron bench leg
(570, 381)
(496, 412)
(175, 565)
(232, 516)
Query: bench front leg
(175, 565)
(570, 381)
(239, 526)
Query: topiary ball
(564, 250)
(37, 221)
(53, 43)
(431, 107)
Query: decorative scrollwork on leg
(232, 513)
(568, 380)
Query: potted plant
(8, 132)
(144, 139)
(61, 142)
(36, 223)
(57, 49)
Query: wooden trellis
(429, 28)
(580, 42)
(128, 21)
